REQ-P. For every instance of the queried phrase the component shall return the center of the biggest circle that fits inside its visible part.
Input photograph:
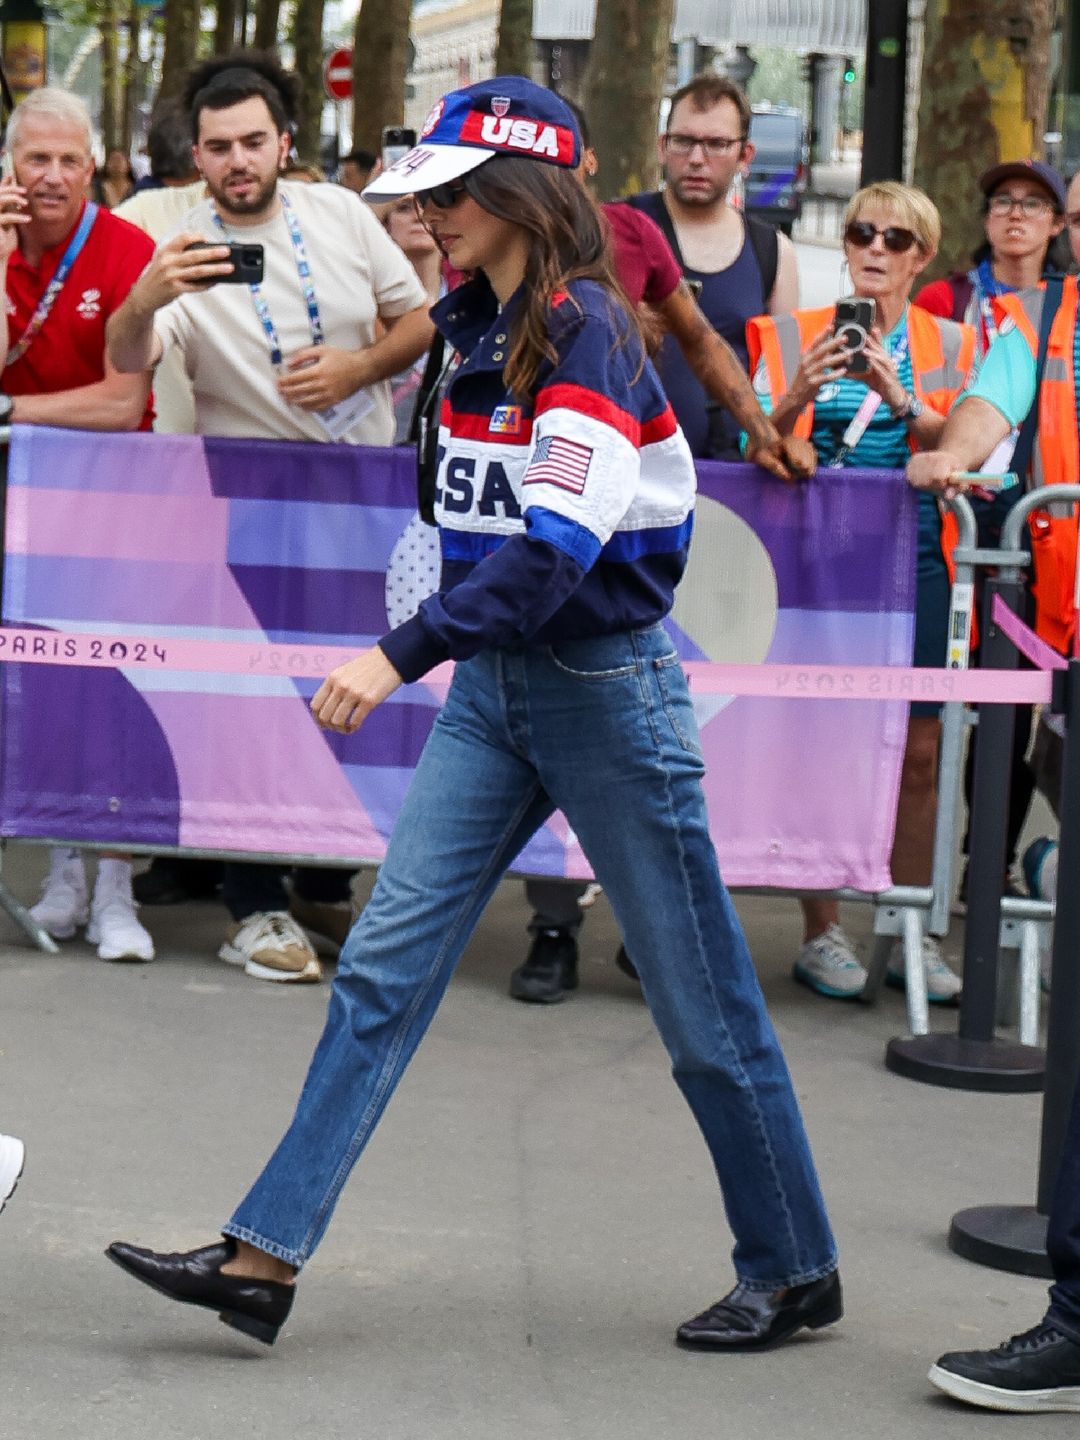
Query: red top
(937, 297)
(69, 350)
(646, 268)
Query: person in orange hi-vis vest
(908, 372)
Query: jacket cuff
(412, 650)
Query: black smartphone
(246, 257)
(397, 140)
(854, 318)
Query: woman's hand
(825, 360)
(350, 693)
(882, 375)
(938, 471)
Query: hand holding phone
(852, 323)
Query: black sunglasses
(861, 234)
(444, 196)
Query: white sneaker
(12, 1159)
(63, 905)
(270, 945)
(943, 985)
(828, 965)
(114, 927)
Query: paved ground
(530, 1223)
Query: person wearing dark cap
(565, 493)
(1024, 213)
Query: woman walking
(565, 502)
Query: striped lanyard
(55, 285)
(860, 421)
(987, 287)
(303, 269)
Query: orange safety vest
(942, 355)
(1055, 460)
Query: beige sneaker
(271, 946)
(329, 921)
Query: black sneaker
(626, 965)
(550, 969)
(1029, 1374)
(174, 879)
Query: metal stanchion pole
(1013, 1237)
(974, 1059)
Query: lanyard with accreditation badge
(55, 285)
(337, 419)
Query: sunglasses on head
(861, 234)
(444, 196)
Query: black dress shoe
(257, 1307)
(757, 1319)
(626, 965)
(1032, 1373)
(549, 971)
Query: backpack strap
(1025, 444)
(763, 238)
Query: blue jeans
(602, 729)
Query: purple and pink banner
(260, 542)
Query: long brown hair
(567, 241)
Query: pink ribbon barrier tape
(782, 682)
(1044, 656)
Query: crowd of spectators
(111, 289)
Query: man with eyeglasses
(297, 356)
(738, 265)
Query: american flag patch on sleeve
(556, 461)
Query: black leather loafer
(757, 1319)
(257, 1307)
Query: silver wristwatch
(910, 409)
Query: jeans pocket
(594, 660)
(676, 702)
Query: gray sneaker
(828, 965)
(943, 985)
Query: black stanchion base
(1005, 1237)
(957, 1064)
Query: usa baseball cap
(505, 116)
(1035, 170)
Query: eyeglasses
(444, 196)
(861, 233)
(713, 145)
(1005, 204)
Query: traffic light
(849, 71)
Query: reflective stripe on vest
(1056, 459)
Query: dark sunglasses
(444, 196)
(861, 234)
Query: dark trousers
(248, 888)
(1063, 1236)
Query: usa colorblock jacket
(563, 517)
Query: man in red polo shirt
(67, 265)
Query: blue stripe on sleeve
(626, 545)
(566, 535)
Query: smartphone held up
(397, 140)
(853, 321)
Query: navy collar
(470, 319)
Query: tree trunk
(225, 29)
(182, 20)
(984, 97)
(514, 55)
(308, 44)
(134, 75)
(380, 60)
(267, 16)
(110, 75)
(627, 73)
